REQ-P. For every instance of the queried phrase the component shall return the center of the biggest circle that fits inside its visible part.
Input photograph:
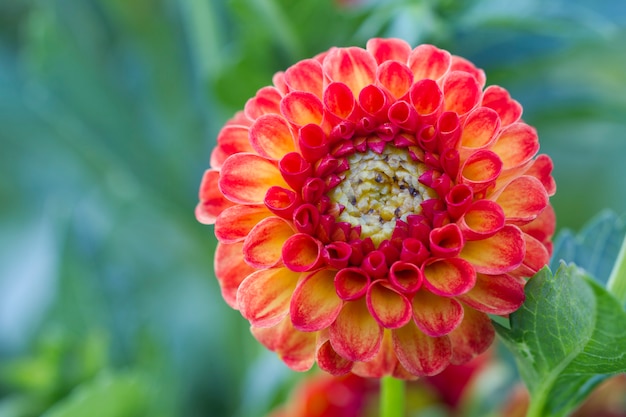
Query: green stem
(617, 281)
(391, 397)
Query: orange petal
(516, 145)
(426, 98)
(449, 277)
(537, 256)
(305, 75)
(481, 170)
(483, 219)
(388, 49)
(271, 137)
(461, 92)
(263, 297)
(498, 98)
(390, 308)
(543, 227)
(499, 254)
(428, 61)
(339, 100)
(351, 283)
(238, 185)
(352, 66)
(461, 64)
(230, 270)
(329, 361)
(382, 364)
(495, 294)
(446, 241)
(435, 315)
(480, 128)
(523, 199)
(302, 108)
(315, 304)
(295, 348)
(302, 252)
(395, 77)
(212, 201)
(232, 139)
(419, 354)
(234, 223)
(542, 170)
(263, 246)
(266, 101)
(356, 335)
(405, 277)
(472, 337)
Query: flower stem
(391, 397)
(617, 281)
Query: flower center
(379, 189)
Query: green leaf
(568, 337)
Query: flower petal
(271, 137)
(388, 49)
(516, 145)
(238, 185)
(498, 98)
(390, 308)
(263, 246)
(461, 92)
(458, 63)
(351, 283)
(542, 170)
(435, 315)
(330, 361)
(232, 139)
(382, 364)
(234, 223)
(266, 101)
(295, 348)
(302, 252)
(537, 256)
(421, 355)
(449, 277)
(315, 304)
(305, 75)
(230, 270)
(428, 61)
(352, 66)
(480, 128)
(395, 77)
(263, 297)
(356, 335)
(212, 201)
(302, 108)
(480, 170)
(543, 227)
(474, 336)
(339, 100)
(499, 254)
(495, 294)
(523, 199)
(426, 98)
(484, 218)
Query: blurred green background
(108, 112)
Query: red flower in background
(373, 206)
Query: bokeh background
(108, 112)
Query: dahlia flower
(372, 208)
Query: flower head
(373, 206)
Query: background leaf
(567, 338)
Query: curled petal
(306, 218)
(449, 277)
(330, 361)
(212, 201)
(427, 99)
(384, 363)
(446, 241)
(543, 227)
(356, 335)
(236, 183)
(434, 315)
(458, 200)
(295, 348)
(352, 66)
(413, 251)
(498, 254)
(302, 252)
(266, 101)
(449, 130)
(523, 199)
(429, 62)
(542, 170)
(495, 294)
(516, 145)
(302, 108)
(315, 305)
(339, 100)
(472, 337)
(337, 254)
(405, 277)
(230, 270)
(263, 297)
(419, 354)
(461, 92)
(461, 64)
(390, 308)
(396, 77)
(351, 283)
(263, 246)
(232, 139)
(373, 101)
(375, 264)
(480, 129)
(403, 115)
(234, 223)
(312, 142)
(481, 170)
(483, 219)
(295, 170)
(271, 137)
(498, 98)
(281, 201)
(388, 49)
(306, 75)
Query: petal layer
(236, 183)
(355, 335)
(421, 355)
(315, 304)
